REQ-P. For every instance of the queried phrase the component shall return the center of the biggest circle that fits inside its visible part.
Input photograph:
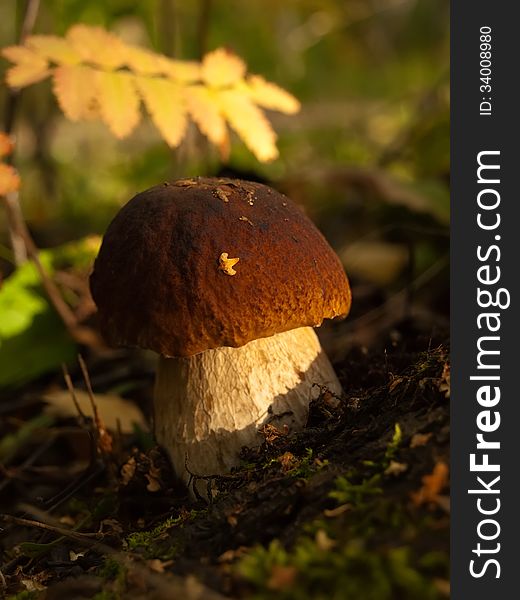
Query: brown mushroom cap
(159, 281)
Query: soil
(354, 506)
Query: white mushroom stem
(209, 405)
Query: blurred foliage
(349, 571)
(370, 75)
(368, 155)
(32, 337)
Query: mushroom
(225, 280)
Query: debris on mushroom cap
(160, 251)
(226, 264)
(243, 218)
(222, 194)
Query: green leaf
(33, 340)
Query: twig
(169, 28)
(29, 19)
(75, 535)
(22, 243)
(166, 585)
(12, 206)
(14, 213)
(20, 232)
(70, 387)
(90, 392)
(203, 26)
(104, 439)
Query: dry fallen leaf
(73, 556)
(232, 520)
(272, 433)
(323, 541)
(6, 145)
(420, 439)
(433, 484)
(128, 471)
(9, 179)
(112, 409)
(233, 554)
(159, 566)
(443, 586)
(32, 585)
(336, 512)
(288, 461)
(111, 525)
(282, 577)
(445, 385)
(396, 468)
(154, 479)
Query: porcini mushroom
(225, 280)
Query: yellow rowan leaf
(271, 96)
(203, 106)
(9, 179)
(185, 71)
(142, 61)
(75, 90)
(53, 48)
(99, 76)
(222, 68)
(29, 66)
(96, 45)
(6, 145)
(118, 101)
(250, 124)
(164, 102)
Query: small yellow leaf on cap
(226, 264)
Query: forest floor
(354, 506)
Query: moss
(346, 492)
(393, 446)
(112, 569)
(106, 595)
(348, 571)
(157, 543)
(114, 575)
(25, 595)
(309, 465)
(345, 557)
(142, 539)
